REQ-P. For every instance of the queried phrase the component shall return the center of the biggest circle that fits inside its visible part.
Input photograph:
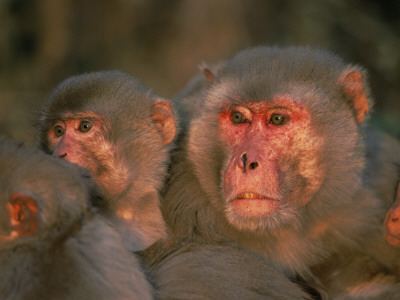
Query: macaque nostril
(62, 155)
(243, 162)
(244, 159)
(253, 165)
(244, 165)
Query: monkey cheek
(393, 240)
(254, 207)
(392, 234)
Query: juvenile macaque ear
(24, 218)
(161, 113)
(353, 86)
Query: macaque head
(110, 124)
(41, 198)
(278, 132)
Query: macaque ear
(353, 86)
(161, 113)
(209, 75)
(207, 72)
(24, 218)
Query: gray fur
(75, 253)
(372, 269)
(206, 271)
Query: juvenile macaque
(277, 160)
(205, 271)
(52, 243)
(110, 124)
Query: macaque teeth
(249, 196)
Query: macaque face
(392, 222)
(82, 139)
(79, 139)
(272, 160)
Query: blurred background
(162, 42)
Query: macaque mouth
(395, 235)
(392, 238)
(254, 205)
(6, 238)
(252, 196)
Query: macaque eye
(85, 126)
(237, 117)
(58, 130)
(278, 119)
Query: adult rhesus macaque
(110, 124)
(206, 271)
(277, 160)
(52, 243)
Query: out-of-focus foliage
(162, 42)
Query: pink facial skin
(392, 223)
(263, 139)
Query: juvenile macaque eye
(58, 130)
(278, 119)
(238, 117)
(85, 126)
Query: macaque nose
(243, 163)
(60, 155)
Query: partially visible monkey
(52, 243)
(212, 271)
(275, 160)
(110, 124)
(392, 222)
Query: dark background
(162, 42)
